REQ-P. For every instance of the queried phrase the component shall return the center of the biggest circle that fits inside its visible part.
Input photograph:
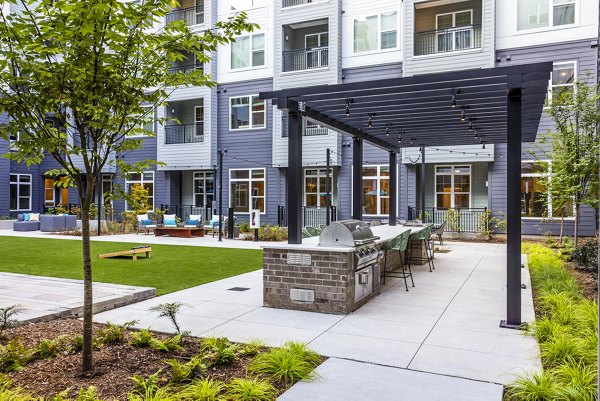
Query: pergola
(502, 105)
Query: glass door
(314, 43)
(204, 189)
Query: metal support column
(327, 188)
(221, 153)
(422, 149)
(294, 177)
(357, 161)
(393, 188)
(513, 205)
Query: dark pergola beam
(393, 188)
(357, 174)
(294, 176)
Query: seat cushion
(26, 225)
(141, 217)
(195, 217)
(192, 222)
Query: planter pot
(93, 225)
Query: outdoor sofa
(23, 224)
(58, 222)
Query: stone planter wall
(6, 224)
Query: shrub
(290, 363)
(543, 329)
(141, 339)
(580, 380)
(114, 334)
(541, 386)
(561, 348)
(146, 385)
(304, 352)
(169, 310)
(202, 390)
(251, 390)
(13, 356)
(6, 316)
(245, 227)
(185, 371)
(585, 256)
(8, 393)
(47, 349)
(252, 348)
(171, 344)
(89, 394)
(218, 350)
(270, 233)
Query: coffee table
(182, 232)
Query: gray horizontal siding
(383, 71)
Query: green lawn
(170, 268)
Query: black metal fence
(305, 59)
(190, 15)
(184, 133)
(186, 69)
(466, 220)
(293, 3)
(447, 40)
(106, 211)
(184, 211)
(311, 216)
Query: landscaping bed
(191, 370)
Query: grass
(170, 268)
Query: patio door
(314, 44)
(204, 188)
(199, 11)
(455, 30)
(199, 120)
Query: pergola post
(393, 188)
(422, 148)
(357, 161)
(513, 204)
(294, 177)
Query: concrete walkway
(439, 341)
(46, 298)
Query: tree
(573, 150)
(93, 65)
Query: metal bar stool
(424, 235)
(400, 244)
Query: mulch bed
(114, 365)
(586, 280)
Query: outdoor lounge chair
(193, 221)
(170, 220)
(212, 225)
(145, 224)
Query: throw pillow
(26, 216)
(170, 222)
(34, 217)
(192, 222)
(195, 217)
(142, 217)
(146, 222)
(213, 223)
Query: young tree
(573, 149)
(92, 65)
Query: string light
(348, 107)
(463, 114)
(470, 124)
(370, 122)
(387, 129)
(476, 133)
(453, 98)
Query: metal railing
(186, 69)
(184, 133)
(305, 59)
(312, 130)
(293, 3)
(190, 15)
(447, 40)
(311, 216)
(184, 211)
(461, 220)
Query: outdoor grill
(358, 235)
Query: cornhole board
(133, 252)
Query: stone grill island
(336, 272)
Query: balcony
(308, 128)
(447, 40)
(305, 59)
(186, 69)
(184, 133)
(294, 3)
(189, 15)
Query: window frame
(548, 174)
(378, 178)
(318, 193)
(379, 32)
(452, 192)
(18, 185)
(250, 126)
(141, 125)
(251, 52)
(249, 181)
(129, 182)
(550, 18)
(204, 176)
(551, 86)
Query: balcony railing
(305, 59)
(294, 3)
(190, 15)
(447, 40)
(186, 69)
(462, 220)
(311, 130)
(311, 216)
(185, 133)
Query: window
(376, 32)
(247, 190)
(314, 187)
(146, 122)
(107, 189)
(53, 194)
(245, 117)
(315, 45)
(452, 187)
(454, 35)
(147, 180)
(564, 75)
(376, 190)
(532, 14)
(20, 192)
(248, 51)
(204, 188)
(536, 201)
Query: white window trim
(550, 86)
(46, 201)
(18, 183)
(203, 176)
(249, 180)
(251, 50)
(379, 178)
(319, 177)
(107, 177)
(251, 127)
(550, 20)
(548, 194)
(453, 13)
(141, 181)
(452, 193)
(379, 31)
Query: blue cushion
(146, 222)
(170, 222)
(192, 222)
(213, 222)
(25, 216)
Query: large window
(20, 192)
(315, 187)
(532, 14)
(147, 180)
(564, 75)
(247, 190)
(450, 38)
(248, 51)
(452, 187)
(55, 194)
(376, 190)
(376, 32)
(536, 201)
(204, 188)
(247, 112)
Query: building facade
(319, 42)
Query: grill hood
(347, 233)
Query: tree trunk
(87, 361)
(576, 228)
(562, 226)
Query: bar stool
(424, 235)
(400, 244)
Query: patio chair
(313, 231)
(170, 220)
(424, 236)
(212, 225)
(399, 244)
(374, 223)
(438, 232)
(193, 221)
(145, 224)
(305, 233)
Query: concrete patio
(444, 332)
